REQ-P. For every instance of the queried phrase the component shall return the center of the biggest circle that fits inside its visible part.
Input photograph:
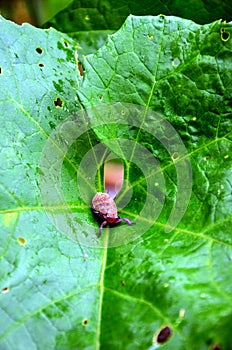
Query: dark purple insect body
(104, 208)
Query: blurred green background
(35, 12)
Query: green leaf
(48, 283)
(59, 294)
(90, 22)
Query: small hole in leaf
(66, 44)
(175, 62)
(21, 241)
(161, 17)
(39, 50)
(85, 256)
(85, 322)
(163, 335)
(58, 102)
(224, 35)
(0, 70)
(175, 156)
(5, 290)
(80, 68)
(100, 97)
(123, 283)
(216, 347)
(41, 65)
(150, 36)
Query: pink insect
(103, 204)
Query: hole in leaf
(175, 156)
(175, 62)
(58, 102)
(0, 70)
(39, 50)
(5, 290)
(85, 256)
(66, 44)
(161, 17)
(123, 283)
(85, 322)
(41, 65)
(150, 36)
(100, 97)
(216, 347)
(163, 335)
(224, 35)
(80, 68)
(21, 241)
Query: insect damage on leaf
(225, 35)
(80, 69)
(5, 290)
(58, 102)
(85, 322)
(163, 335)
(39, 50)
(21, 241)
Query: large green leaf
(90, 22)
(58, 294)
(53, 287)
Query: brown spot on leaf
(80, 68)
(85, 322)
(5, 290)
(21, 241)
(163, 335)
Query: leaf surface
(49, 284)
(90, 22)
(181, 70)
(59, 294)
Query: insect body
(104, 208)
